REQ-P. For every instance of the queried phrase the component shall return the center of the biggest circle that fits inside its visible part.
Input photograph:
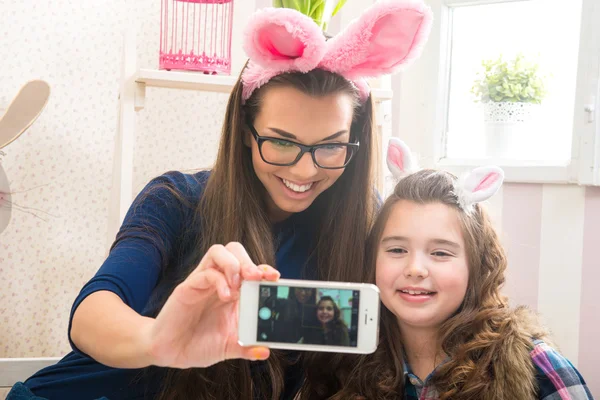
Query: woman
(291, 187)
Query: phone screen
(308, 315)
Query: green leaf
(306, 8)
(318, 14)
(337, 8)
(299, 6)
(293, 4)
(278, 3)
(518, 80)
(314, 6)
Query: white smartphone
(309, 315)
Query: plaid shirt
(557, 378)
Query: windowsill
(517, 171)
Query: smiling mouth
(297, 188)
(416, 292)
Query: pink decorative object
(196, 35)
(384, 39)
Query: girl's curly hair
(487, 341)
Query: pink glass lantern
(196, 35)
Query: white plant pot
(505, 111)
(506, 126)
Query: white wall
(66, 157)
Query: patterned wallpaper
(176, 130)
(61, 168)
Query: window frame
(423, 125)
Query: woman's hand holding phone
(198, 325)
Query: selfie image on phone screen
(316, 316)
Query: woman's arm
(197, 326)
(110, 332)
(108, 307)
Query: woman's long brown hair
(481, 338)
(233, 208)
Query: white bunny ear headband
(384, 39)
(474, 187)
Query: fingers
(233, 260)
(248, 353)
(269, 273)
(220, 258)
(248, 269)
(194, 289)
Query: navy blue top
(138, 271)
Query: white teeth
(297, 188)
(414, 292)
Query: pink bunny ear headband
(387, 36)
(474, 187)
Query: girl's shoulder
(556, 376)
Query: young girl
(447, 332)
(291, 187)
(333, 331)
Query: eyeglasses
(283, 152)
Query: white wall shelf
(185, 80)
(205, 83)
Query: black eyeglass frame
(303, 149)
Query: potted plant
(321, 11)
(510, 91)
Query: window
(527, 29)
(556, 50)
